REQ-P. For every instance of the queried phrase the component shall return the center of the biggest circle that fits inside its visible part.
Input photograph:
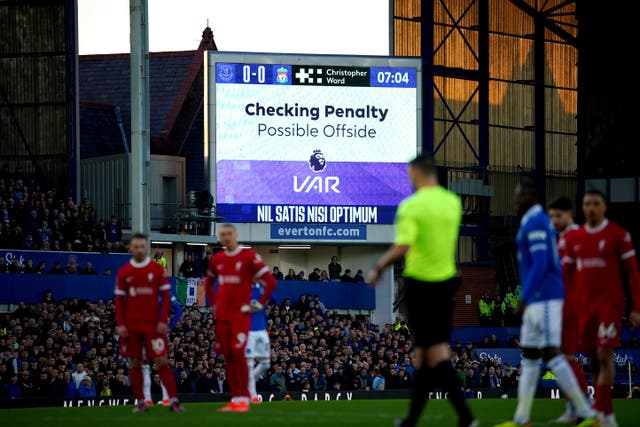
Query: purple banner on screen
(296, 182)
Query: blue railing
(15, 288)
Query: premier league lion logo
(317, 163)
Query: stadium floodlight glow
(197, 244)
(294, 247)
(157, 242)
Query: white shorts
(542, 324)
(258, 345)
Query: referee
(427, 225)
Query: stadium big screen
(311, 139)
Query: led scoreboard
(310, 139)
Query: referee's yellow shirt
(429, 222)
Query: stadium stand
(34, 218)
(47, 349)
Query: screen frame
(211, 58)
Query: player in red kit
(561, 216)
(236, 269)
(143, 300)
(599, 250)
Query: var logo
(316, 184)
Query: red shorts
(231, 335)
(601, 328)
(143, 344)
(571, 336)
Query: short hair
(425, 163)
(228, 225)
(562, 204)
(595, 192)
(139, 236)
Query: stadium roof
(176, 96)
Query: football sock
(421, 387)
(242, 375)
(259, 370)
(252, 380)
(529, 376)
(445, 377)
(579, 374)
(604, 403)
(169, 381)
(569, 385)
(231, 376)
(165, 393)
(135, 377)
(146, 382)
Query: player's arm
(567, 256)
(209, 283)
(165, 302)
(177, 312)
(628, 257)
(120, 297)
(406, 234)
(264, 276)
(538, 247)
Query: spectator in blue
(44, 232)
(359, 277)
(206, 383)
(317, 381)
(330, 378)
(185, 385)
(277, 381)
(378, 381)
(18, 190)
(473, 378)
(494, 379)
(317, 305)
(14, 388)
(86, 388)
(115, 234)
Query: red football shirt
(572, 294)
(138, 290)
(599, 255)
(236, 272)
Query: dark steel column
(426, 51)
(483, 84)
(539, 99)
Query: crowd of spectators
(33, 218)
(69, 349)
(29, 267)
(333, 273)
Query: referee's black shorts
(430, 309)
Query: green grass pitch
(369, 413)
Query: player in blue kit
(146, 376)
(258, 349)
(543, 297)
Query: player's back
(537, 245)
(142, 284)
(236, 272)
(258, 319)
(599, 253)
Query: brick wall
(475, 281)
